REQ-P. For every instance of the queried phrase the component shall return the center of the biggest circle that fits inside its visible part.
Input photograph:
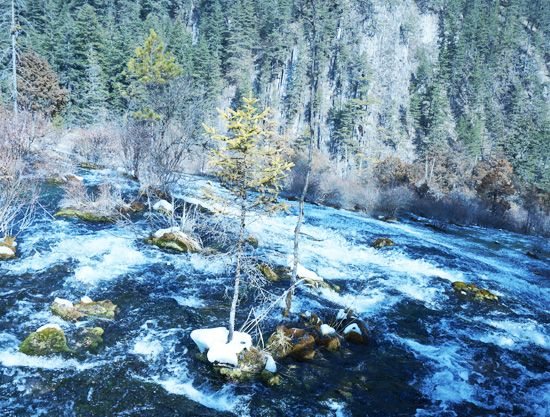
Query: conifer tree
(250, 171)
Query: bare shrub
(347, 193)
(105, 202)
(319, 165)
(392, 201)
(18, 193)
(95, 145)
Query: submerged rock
(89, 217)
(382, 242)
(87, 338)
(485, 295)
(472, 290)
(268, 272)
(45, 341)
(103, 309)
(177, 241)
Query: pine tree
(93, 104)
(251, 173)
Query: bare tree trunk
(290, 294)
(237, 273)
(14, 31)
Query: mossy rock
(89, 217)
(485, 295)
(65, 312)
(133, 207)
(175, 242)
(45, 342)
(87, 338)
(268, 272)
(462, 286)
(332, 343)
(389, 219)
(382, 242)
(103, 309)
(87, 165)
(316, 284)
(252, 241)
(269, 378)
(250, 365)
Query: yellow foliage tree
(250, 170)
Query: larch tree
(250, 171)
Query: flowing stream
(430, 351)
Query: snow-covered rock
(215, 341)
(341, 314)
(50, 326)
(352, 328)
(163, 205)
(206, 338)
(86, 299)
(327, 330)
(175, 230)
(65, 303)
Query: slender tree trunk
(290, 294)
(14, 32)
(237, 272)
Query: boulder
(269, 378)
(331, 342)
(89, 217)
(251, 363)
(103, 309)
(353, 334)
(87, 338)
(268, 272)
(65, 310)
(471, 290)
(45, 341)
(7, 248)
(87, 165)
(177, 241)
(485, 295)
(294, 342)
(382, 242)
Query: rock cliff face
(380, 43)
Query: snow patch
(4, 250)
(63, 302)
(163, 205)
(327, 330)
(270, 364)
(86, 299)
(352, 328)
(50, 326)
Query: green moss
(269, 378)
(66, 313)
(88, 338)
(268, 272)
(382, 242)
(485, 295)
(45, 342)
(175, 242)
(89, 217)
(103, 309)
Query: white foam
(188, 301)
(222, 400)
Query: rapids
(430, 352)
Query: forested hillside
(446, 99)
